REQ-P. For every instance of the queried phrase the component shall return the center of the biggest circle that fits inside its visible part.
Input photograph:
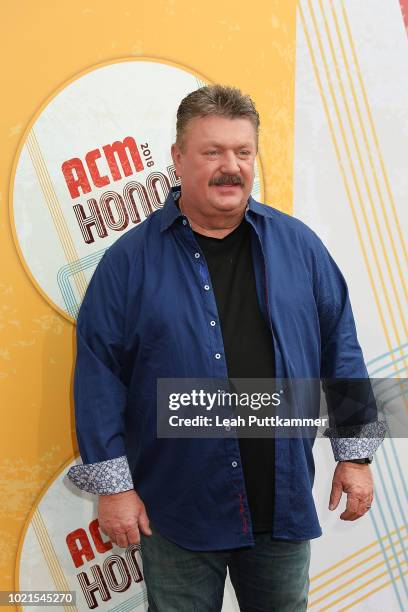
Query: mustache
(227, 179)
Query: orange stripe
(374, 134)
(355, 180)
(357, 565)
(368, 148)
(365, 179)
(55, 209)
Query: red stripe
(404, 10)
(243, 515)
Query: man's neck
(212, 227)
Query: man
(213, 285)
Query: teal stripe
(389, 365)
(394, 452)
(399, 372)
(397, 497)
(387, 354)
(397, 382)
(132, 603)
(387, 563)
(388, 400)
(387, 497)
(66, 291)
(384, 520)
(65, 272)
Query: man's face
(216, 163)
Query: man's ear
(176, 156)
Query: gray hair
(218, 100)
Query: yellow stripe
(343, 174)
(336, 601)
(355, 578)
(48, 551)
(356, 183)
(374, 133)
(357, 565)
(370, 157)
(337, 149)
(50, 556)
(382, 586)
(54, 207)
(366, 182)
(48, 191)
(355, 554)
(55, 210)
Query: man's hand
(356, 480)
(121, 515)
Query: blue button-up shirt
(149, 313)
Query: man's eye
(244, 152)
(212, 153)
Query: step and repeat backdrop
(90, 98)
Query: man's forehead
(223, 141)
(213, 122)
(216, 129)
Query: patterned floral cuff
(104, 477)
(356, 442)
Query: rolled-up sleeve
(357, 434)
(100, 395)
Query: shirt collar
(171, 212)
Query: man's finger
(335, 495)
(351, 511)
(144, 523)
(108, 532)
(104, 529)
(133, 535)
(363, 507)
(110, 535)
(122, 540)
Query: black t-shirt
(249, 353)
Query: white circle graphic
(95, 163)
(64, 550)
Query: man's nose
(229, 163)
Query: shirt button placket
(217, 356)
(207, 287)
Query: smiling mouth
(227, 186)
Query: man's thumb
(335, 495)
(143, 522)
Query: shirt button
(207, 287)
(234, 464)
(184, 221)
(196, 255)
(217, 356)
(212, 323)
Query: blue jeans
(272, 576)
